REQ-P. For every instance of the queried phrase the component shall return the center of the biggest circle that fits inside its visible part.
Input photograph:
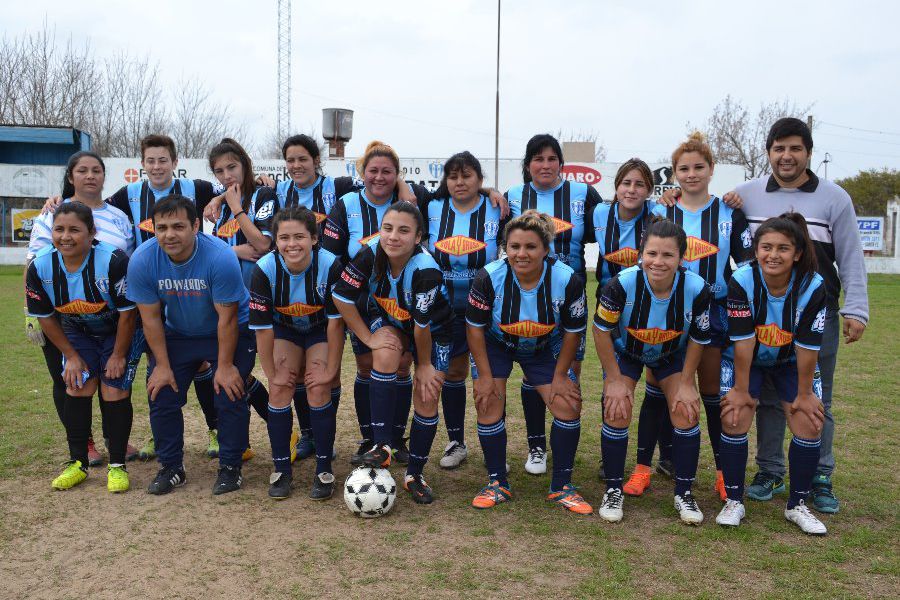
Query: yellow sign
(22, 221)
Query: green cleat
(823, 498)
(117, 479)
(212, 449)
(71, 476)
(148, 452)
(764, 486)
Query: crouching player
(85, 285)
(776, 316)
(406, 284)
(195, 281)
(296, 322)
(655, 314)
(530, 309)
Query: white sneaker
(805, 520)
(731, 514)
(536, 462)
(454, 454)
(687, 509)
(611, 506)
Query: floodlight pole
(497, 110)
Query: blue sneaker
(306, 446)
(764, 486)
(823, 499)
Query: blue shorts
(314, 336)
(538, 368)
(358, 347)
(459, 345)
(440, 346)
(632, 368)
(718, 324)
(96, 350)
(784, 377)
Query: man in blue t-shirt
(194, 307)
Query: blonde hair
(531, 220)
(696, 142)
(377, 148)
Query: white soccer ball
(370, 492)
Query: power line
(880, 132)
(858, 139)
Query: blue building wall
(26, 145)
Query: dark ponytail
(248, 184)
(381, 259)
(662, 227)
(793, 226)
(68, 188)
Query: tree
(738, 137)
(871, 190)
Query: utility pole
(809, 123)
(497, 110)
(283, 123)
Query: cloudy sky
(420, 74)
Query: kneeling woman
(84, 286)
(406, 284)
(530, 309)
(294, 319)
(654, 314)
(776, 315)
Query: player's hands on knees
(228, 380)
(115, 367)
(733, 404)
(160, 378)
(213, 210)
(51, 204)
(384, 339)
(72, 372)
(317, 374)
(430, 381)
(809, 405)
(485, 393)
(563, 388)
(687, 402)
(617, 398)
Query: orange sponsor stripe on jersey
(458, 245)
(653, 336)
(697, 249)
(610, 316)
(298, 309)
(147, 225)
(81, 307)
(561, 225)
(320, 217)
(368, 239)
(391, 307)
(228, 229)
(529, 329)
(773, 336)
(626, 257)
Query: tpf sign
(871, 232)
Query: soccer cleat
(248, 454)
(491, 495)
(536, 461)
(377, 457)
(720, 486)
(212, 447)
(731, 514)
(639, 482)
(71, 476)
(305, 447)
(688, 510)
(117, 479)
(295, 437)
(400, 451)
(167, 479)
(764, 486)
(148, 451)
(229, 480)
(801, 516)
(454, 454)
(570, 499)
(823, 498)
(611, 506)
(356, 457)
(95, 459)
(419, 490)
(666, 468)
(322, 487)
(279, 485)
(131, 453)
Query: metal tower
(283, 124)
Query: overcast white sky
(420, 74)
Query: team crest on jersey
(561, 226)
(328, 201)
(298, 309)
(725, 229)
(102, 284)
(368, 238)
(818, 325)
(321, 288)
(424, 300)
(491, 228)
(228, 229)
(579, 307)
(147, 225)
(390, 306)
(81, 307)
(266, 210)
(702, 321)
(625, 257)
(578, 208)
(653, 336)
(773, 336)
(746, 238)
(459, 245)
(557, 303)
(528, 329)
(697, 249)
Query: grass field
(87, 542)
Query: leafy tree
(871, 190)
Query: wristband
(239, 213)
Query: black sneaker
(229, 480)
(167, 479)
(665, 467)
(378, 457)
(322, 487)
(419, 490)
(401, 451)
(364, 446)
(279, 485)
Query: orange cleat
(491, 495)
(720, 486)
(570, 499)
(639, 482)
